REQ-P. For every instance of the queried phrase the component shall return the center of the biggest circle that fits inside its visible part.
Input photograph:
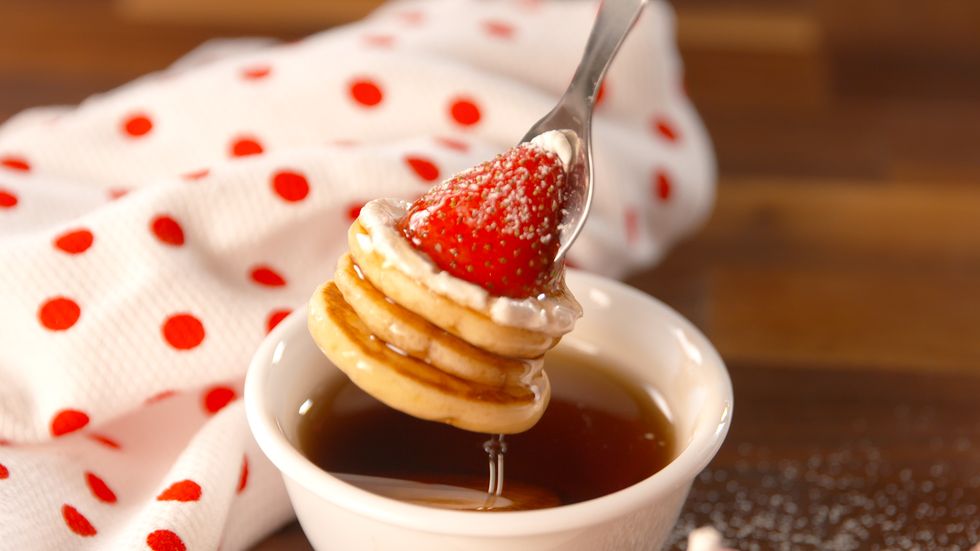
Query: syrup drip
(495, 448)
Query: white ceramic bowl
(640, 335)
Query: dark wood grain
(835, 273)
(839, 275)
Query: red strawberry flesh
(495, 225)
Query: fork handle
(613, 22)
(574, 110)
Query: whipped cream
(552, 315)
(555, 142)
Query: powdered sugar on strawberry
(496, 224)
(553, 314)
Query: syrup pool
(601, 433)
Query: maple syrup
(600, 433)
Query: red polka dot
(601, 95)
(366, 92)
(68, 421)
(498, 29)
(74, 241)
(454, 144)
(344, 143)
(464, 111)
(183, 331)
(218, 397)
(290, 186)
(15, 163)
(160, 396)
(196, 175)
(77, 522)
(99, 488)
(274, 318)
(137, 126)
(380, 40)
(662, 186)
(105, 441)
(264, 275)
(4, 472)
(7, 199)
(165, 540)
(59, 313)
(631, 220)
(167, 230)
(243, 476)
(663, 127)
(256, 72)
(423, 168)
(412, 17)
(117, 192)
(185, 490)
(4, 442)
(354, 210)
(245, 146)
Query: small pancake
(415, 336)
(473, 327)
(412, 386)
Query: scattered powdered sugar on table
(846, 499)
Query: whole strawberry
(495, 225)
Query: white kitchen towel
(151, 236)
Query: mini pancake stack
(422, 353)
(405, 340)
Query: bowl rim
(709, 433)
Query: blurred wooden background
(847, 229)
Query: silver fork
(573, 113)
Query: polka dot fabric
(153, 235)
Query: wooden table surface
(839, 275)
